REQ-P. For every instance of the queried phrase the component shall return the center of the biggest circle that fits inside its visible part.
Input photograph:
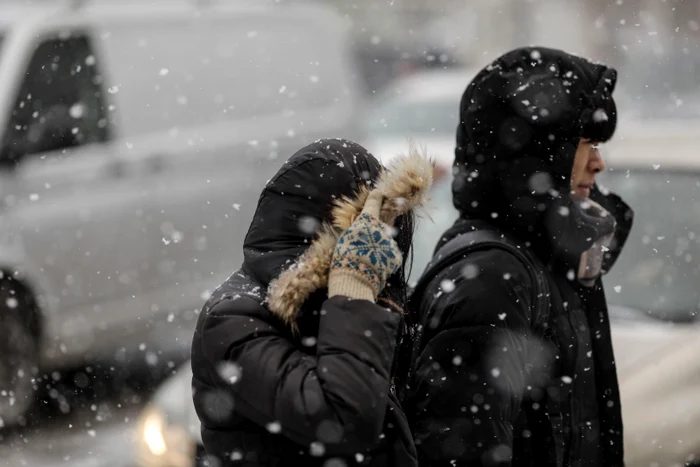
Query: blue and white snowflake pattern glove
(365, 256)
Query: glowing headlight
(153, 433)
(159, 444)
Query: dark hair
(395, 294)
(599, 124)
(599, 120)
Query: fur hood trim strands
(405, 185)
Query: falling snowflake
(495, 372)
(470, 271)
(447, 285)
(274, 427)
(600, 115)
(308, 341)
(151, 359)
(618, 288)
(457, 360)
(164, 71)
(308, 225)
(229, 372)
(77, 110)
(317, 449)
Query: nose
(596, 163)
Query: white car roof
(52, 11)
(431, 85)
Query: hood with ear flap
(299, 199)
(522, 118)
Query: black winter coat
(487, 391)
(268, 397)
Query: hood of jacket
(299, 199)
(522, 118)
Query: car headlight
(162, 444)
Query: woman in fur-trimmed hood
(293, 354)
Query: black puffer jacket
(268, 397)
(486, 391)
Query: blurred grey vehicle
(134, 140)
(654, 300)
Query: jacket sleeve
(471, 373)
(337, 397)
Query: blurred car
(134, 139)
(654, 290)
(168, 433)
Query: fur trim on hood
(404, 184)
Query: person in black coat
(274, 385)
(487, 389)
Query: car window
(658, 271)
(440, 216)
(60, 102)
(404, 118)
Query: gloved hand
(365, 255)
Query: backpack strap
(453, 251)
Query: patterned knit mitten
(365, 255)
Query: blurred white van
(135, 138)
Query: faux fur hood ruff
(405, 185)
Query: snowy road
(68, 442)
(82, 427)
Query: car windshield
(658, 271)
(416, 117)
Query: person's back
(491, 383)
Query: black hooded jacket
(485, 390)
(269, 397)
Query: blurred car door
(73, 202)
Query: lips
(583, 190)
